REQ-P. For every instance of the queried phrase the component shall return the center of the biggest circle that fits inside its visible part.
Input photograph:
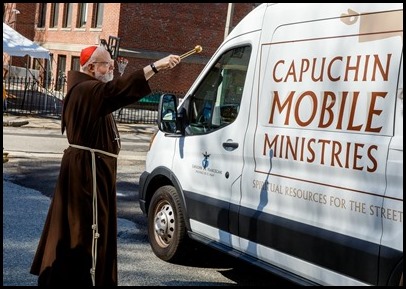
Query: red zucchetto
(86, 53)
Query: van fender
(162, 176)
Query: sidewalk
(51, 123)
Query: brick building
(140, 32)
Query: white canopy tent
(15, 44)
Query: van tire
(166, 224)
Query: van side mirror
(167, 114)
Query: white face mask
(108, 76)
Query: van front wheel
(166, 224)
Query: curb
(145, 129)
(5, 157)
(15, 123)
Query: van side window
(216, 101)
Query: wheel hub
(164, 223)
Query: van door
(209, 156)
(314, 186)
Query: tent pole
(46, 89)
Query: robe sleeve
(123, 91)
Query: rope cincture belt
(95, 228)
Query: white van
(287, 151)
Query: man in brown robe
(78, 245)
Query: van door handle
(230, 145)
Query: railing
(26, 96)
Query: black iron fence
(27, 96)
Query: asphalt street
(25, 210)
(24, 213)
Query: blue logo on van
(205, 161)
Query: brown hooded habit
(67, 249)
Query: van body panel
(306, 178)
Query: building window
(82, 14)
(54, 15)
(60, 76)
(42, 15)
(97, 15)
(67, 15)
(75, 65)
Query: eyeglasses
(106, 64)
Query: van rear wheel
(166, 224)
